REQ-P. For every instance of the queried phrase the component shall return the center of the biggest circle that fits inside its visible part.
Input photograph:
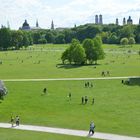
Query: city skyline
(66, 13)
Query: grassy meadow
(43, 62)
(116, 107)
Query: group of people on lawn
(15, 120)
(84, 101)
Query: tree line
(110, 34)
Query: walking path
(69, 79)
(81, 133)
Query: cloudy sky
(66, 13)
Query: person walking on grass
(91, 129)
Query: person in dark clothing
(86, 99)
(82, 100)
(44, 90)
(91, 130)
(69, 96)
(17, 120)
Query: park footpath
(68, 79)
(81, 133)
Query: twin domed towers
(98, 19)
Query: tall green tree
(17, 39)
(99, 52)
(79, 55)
(5, 38)
(26, 41)
(137, 34)
(75, 53)
(93, 49)
(88, 45)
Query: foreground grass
(11, 134)
(116, 108)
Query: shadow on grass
(132, 81)
(71, 66)
(133, 84)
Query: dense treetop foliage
(88, 53)
(110, 34)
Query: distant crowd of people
(88, 84)
(105, 73)
(85, 100)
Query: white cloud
(67, 13)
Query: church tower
(124, 21)
(52, 25)
(37, 25)
(100, 19)
(25, 26)
(96, 19)
(117, 21)
(129, 21)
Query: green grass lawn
(116, 108)
(8, 134)
(42, 64)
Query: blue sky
(66, 13)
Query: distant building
(96, 19)
(25, 26)
(124, 21)
(129, 21)
(52, 25)
(139, 21)
(36, 27)
(117, 21)
(100, 19)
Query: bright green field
(116, 108)
(42, 64)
